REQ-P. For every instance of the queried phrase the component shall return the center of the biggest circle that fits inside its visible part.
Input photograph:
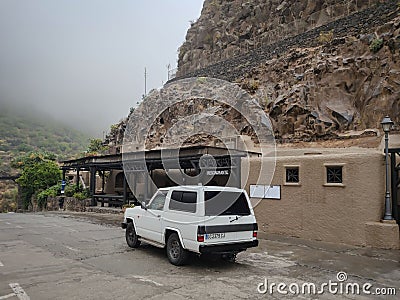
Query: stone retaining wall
(70, 203)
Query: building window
(334, 174)
(292, 175)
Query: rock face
(115, 137)
(322, 91)
(341, 76)
(204, 111)
(228, 28)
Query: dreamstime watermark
(340, 286)
(197, 111)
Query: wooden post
(77, 179)
(146, 186)
(125, 191)
(238, 171)
(102, 181)
(92, 184)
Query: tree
(39, 171)
(95, 146)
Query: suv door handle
(158, 216)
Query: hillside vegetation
(24, 133)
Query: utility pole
(145, 79)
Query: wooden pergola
(147, 161)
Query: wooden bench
(111, 199)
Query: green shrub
(71, 189)
(82, 195)
(325, 37)
(50, 192)
(254, 85)
(39, 171)
(9, 201)
(96, 145)
(376, 45)
(251, 85)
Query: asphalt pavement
(65, 255)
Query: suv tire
(131, 237)
(175, 252)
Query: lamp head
(386, 124)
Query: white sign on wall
(265, 191)
(257, 191)
(218, 172)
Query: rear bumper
(227, 248)
(124, 225)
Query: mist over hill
(22, 131)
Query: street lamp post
(386, 124)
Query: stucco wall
(316, 210)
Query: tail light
(255, 228)
(201, 231)
(200, 237)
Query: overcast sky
(83, 60)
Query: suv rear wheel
(175, 252)
(131, 237)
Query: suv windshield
(221, 203)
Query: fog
(82, 62)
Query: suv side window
(220, 203)
(183, 201)
(158, 202)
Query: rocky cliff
(333, 67)
(228, 28)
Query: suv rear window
(220, 203)
(183, 201)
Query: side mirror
(143, 205)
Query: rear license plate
(212, 236)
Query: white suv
(199, 219)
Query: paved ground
(84, 256)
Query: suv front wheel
(175, 252)
(131, 237)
